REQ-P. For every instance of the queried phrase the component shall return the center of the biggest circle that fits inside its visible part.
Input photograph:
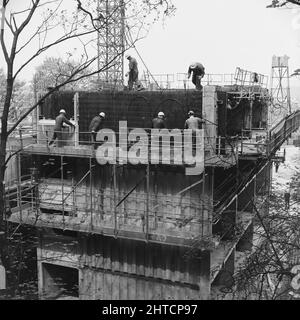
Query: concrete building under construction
(147, 230)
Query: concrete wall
(169, 209)
(137, 108)
(124, 269)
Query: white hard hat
(62, 111)
(102, 114)
(161, 114)
(128, 56)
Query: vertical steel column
(148, 200)
(62, 187)
(237, 181)
(203, 202)
(251, 112)
(76, 117)
(115, 198)
(270, 177)
(21, 139)
(36, 190)
(91, 192)
(19, 189)
(212, 202)
(254, 191)
(242, 143)
(156, 199)
(74, 198)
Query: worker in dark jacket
(193, 123)
(198, 71)
(59, 122)
(133, 74)
(96, 125)
(159, 122)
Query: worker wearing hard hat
(159, 121)
(59, 122)
(198, 71)
(193, 122)
(96, 125)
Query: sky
(223, 35)
(220, 34)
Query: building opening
(60, 282)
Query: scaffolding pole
(76, 118)
(115, 198)
(19, 190)
(203, 201)
(62, 187)
(148, 201)
(91, 192)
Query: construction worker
(159, 122)
(198, 71)
(96, 125)
(287, 197)
(193, 123)
(58, 128)
(133, 73)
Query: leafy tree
(21, 97)
(54, 71)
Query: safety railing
(163, 217)
(241, 78)
(254, 142)
(264, 142)
(249, 78)
(157, 144)
(282, 131)
(181, 81)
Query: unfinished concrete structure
(147, 231)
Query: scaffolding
(82, 205)
(280, 89)
(111, 42)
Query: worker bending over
(198, 71)
(96, 125)
(58, 128)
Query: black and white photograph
(149, 151)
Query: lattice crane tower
(280, 88)
(111, 42)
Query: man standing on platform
(96, 125)
(193, 123)
(58, 128)
(133, 74)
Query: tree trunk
(2, 208)
(3, 144)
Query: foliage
(22, 97)
(54, 71)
